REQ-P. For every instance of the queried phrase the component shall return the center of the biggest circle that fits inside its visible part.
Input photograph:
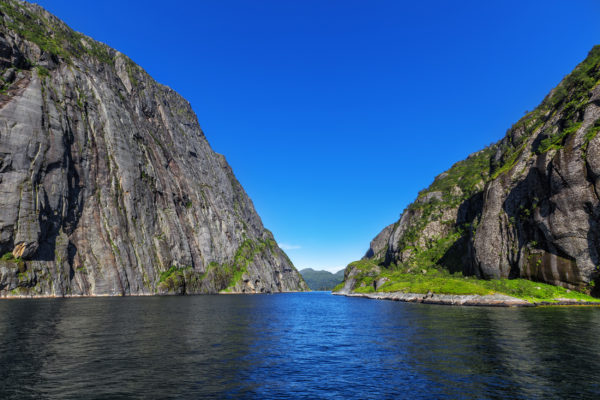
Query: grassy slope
(470, 175)
(440, 281)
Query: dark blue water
(311, 345)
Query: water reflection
(294, 345)
(27, 331)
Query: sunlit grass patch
(442, 282)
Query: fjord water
(301, 345)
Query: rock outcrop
(527, 206)
(108, 185)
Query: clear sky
(334, 114)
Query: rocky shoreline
(85, 296)
(494, 300)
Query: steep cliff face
(107, 183)
(527, 206)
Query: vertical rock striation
(107, 183)
(527, 206)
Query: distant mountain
(321, 280)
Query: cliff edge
(108, 185)
(525, 207)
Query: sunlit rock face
(527, 206)
(107, 183)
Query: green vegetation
(172, 279)
(568, 99)
(556, 141)
(50, 34)
(590, 134)
(321, 280)
(440, 281)
(467, 174)
(511, 155)
(428, 262)
(224, 276)
(578, 83)
(533, 291)
(9, 257)
(230, 274)
(433, 251)
(42, 71)
(463, 180)
(17, 262)
(132, 68)
(513, 145)
(364, 265)
(365, 272)
(432, 254)
(168, 273)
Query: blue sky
(334, 114)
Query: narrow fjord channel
(299, 345)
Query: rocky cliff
(107, 183)
(527, 206)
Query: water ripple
(293, 346)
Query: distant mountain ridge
(321, 280)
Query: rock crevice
(527, 206)
(107, 182)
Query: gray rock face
(539, 219)
(107, 183)
(379, 245)
(527, 206)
